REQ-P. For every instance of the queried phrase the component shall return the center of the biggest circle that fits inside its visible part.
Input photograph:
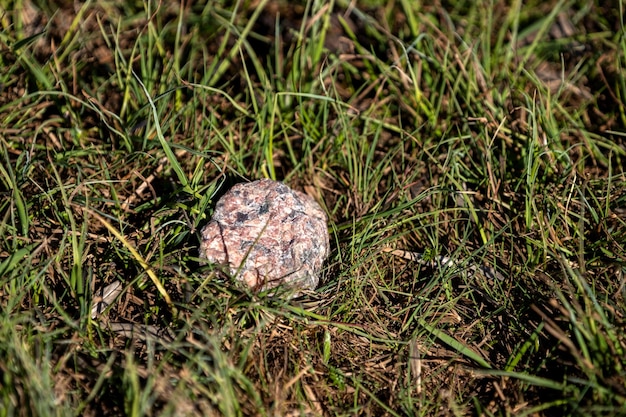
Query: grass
(490, 133)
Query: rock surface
(268, 235)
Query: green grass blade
(455, 344)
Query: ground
(488, 133)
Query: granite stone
(267, 235)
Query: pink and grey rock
(268, 235)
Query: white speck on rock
(268, 235)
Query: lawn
(469, 156)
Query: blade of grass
(241, 38)
(9, 263)
(455, 344)
(166, 147)
(155, 280)
(18, 199)
(522, 376)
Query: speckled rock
(268, 235)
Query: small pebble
(268, 235)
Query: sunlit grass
(485, 134)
